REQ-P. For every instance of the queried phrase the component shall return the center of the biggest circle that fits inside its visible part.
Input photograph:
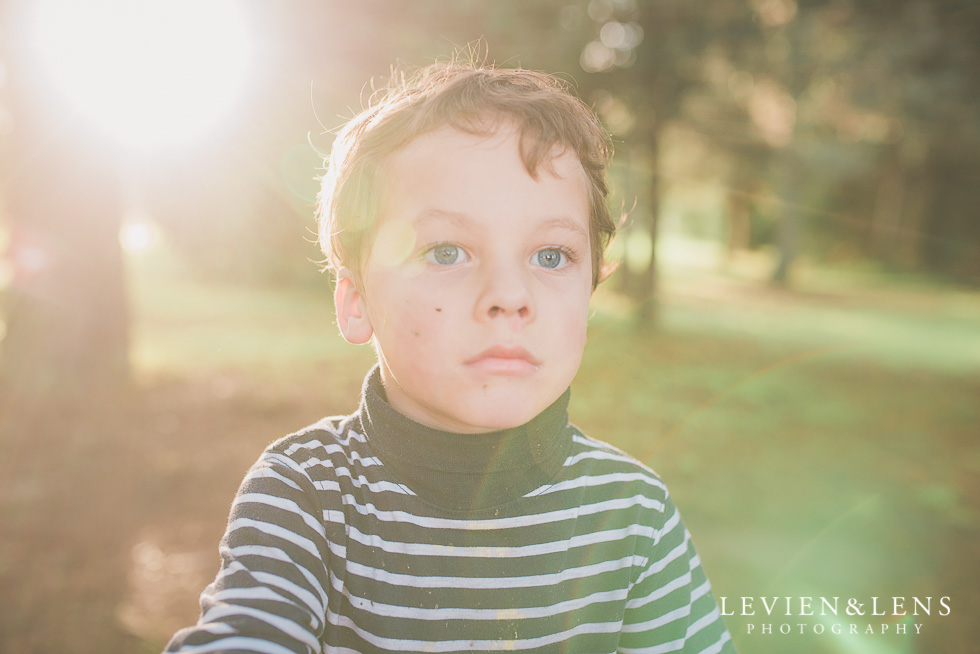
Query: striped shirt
(372, 533)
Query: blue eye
(551, 258)
(445, 254)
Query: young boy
(458, 510)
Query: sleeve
(270, 593)
(671, 607)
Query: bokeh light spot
(137, 236)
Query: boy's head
(471, 99)
(465, 216)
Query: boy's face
(477, 286)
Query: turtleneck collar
(465, 471)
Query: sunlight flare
(137, 236)
(150, 73)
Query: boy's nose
(505, 296)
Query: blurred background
(792, 338)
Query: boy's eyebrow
(439, 215)
(460, 218)
(568, 224)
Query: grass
(821, 443)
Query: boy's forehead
(560, 160)
(445, 168)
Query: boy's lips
(504, 360)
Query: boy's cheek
(413, 324)
(393, 244)
(579, 340)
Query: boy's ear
(352, 316)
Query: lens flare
(137, 236)
(151, 73)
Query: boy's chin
(490, 405)
(499, 423)
(501, 413)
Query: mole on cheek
(438, 308)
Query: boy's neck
(465, 471)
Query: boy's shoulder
(597, 459)
(607, 455)
(333, 437)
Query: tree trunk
(648, 281)
(66, 332)
(889, 206)
(638, 279)
(788, 227)
(738, 212)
